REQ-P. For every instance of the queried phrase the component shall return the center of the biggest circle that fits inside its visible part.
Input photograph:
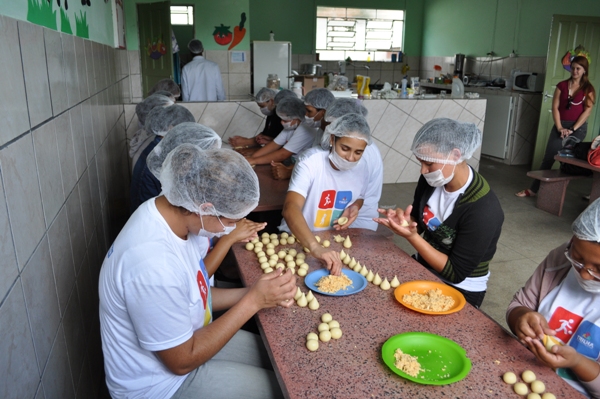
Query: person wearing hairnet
(327, 185)
(294, 137)
(265, 99)
(167, 85)
(316, 102)
(200, 78)
(142, 138)
(156, 304)
(560, 306)
(159, 122)
(454, 208)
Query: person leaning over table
(562, 299)
(166, 85)
(141, 137)
(294, 137)
(316, 102)
(571, 107)
(158, 336)
(454, 208)
(327, 185)
(265, 99)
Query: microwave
(528, 81)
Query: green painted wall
(294, 20)
(207, 15)
(474, 27)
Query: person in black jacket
(455, 220)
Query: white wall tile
(74, 335)
(134, 62)
(244, 123)
(31, 37)
(78, 139)
(88, 130)
(56, 74)
(449, 109)
(94, 189)
(40, 392)
(197, 109)
(389, 125)
(225, 80)
(239, 84)
(425, 110)
(383, 149)
(62, 257)
(136, 87)
(89, 300)
(9, 269)
(42, 300)
(23, 196)
(48, 168)
(411, 172)
(217, 116)
(86, 206)
(393, 164)
(70, 65)
(13, 113)
(81, 68)
(239, 67)
(404, 140)
(376, 110)
(66, 151)
(75, 218)
(90, 61)
(19, 372)
(477, 108)
(220, 57)
(404, 105)
(57, 379)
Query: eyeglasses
(578, 265)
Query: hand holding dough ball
(318, 239)
(268, 270)
(347, 242)
(404, 223)
(528, 376)
(326, 317)
(325, 336)
(312, 345)
(538, 386)
(326, 243)
(549, 342)
(249, 246)
(520, 389)
(509, 377)
(342, 221)
(336, 333)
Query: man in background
(200, 78)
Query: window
(182, 15)
(359, 33)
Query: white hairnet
(195, 46)
(160, 120)
(191, 176)
(435, 141)
(349, 125)
(319, 98)
(149, 103)
(291, 108)
(265, 94)
(587, 225)
(167, 85)
(285, 93)
(343, 106)
(187, 132)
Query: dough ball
(333, 324)
(298, 294)
(263, 259)
(257, 249)
(326, 317)
(292, 252)
(291, 265)
(261, 254)
(255, 240)
(309, 296)
(281, 254)
(259, 244)
(528, 376)
(304, 266)
(275, 242)
(509, 377)
(280, 266)
(249, 246)
(311, 335)
(313, 304)
(268, 270)
(325, 336)
(318, 238)
(302, 272)
(323, 327)
(273, 236)
(272, 262)
(291, 240)
(300, 256)
(312, 345)
(284, 235)
(264, 235)
(548, 395)
(342, 221)
(270, 246)
(288, 258)
(299, 262)
(270, 251)
(274, 256)
(404, 223)
(326, 243)
(336, 333)
(520, 389)
(534, 395)
(283, 241)
(264, 265)
(265, 240)
(538, 386)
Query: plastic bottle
(298, 89)
(415, 84)
(404, 92)
(272, 36)
(458, 88)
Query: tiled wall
(63, 180)
(235, 75)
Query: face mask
(311, 122)
(437, 179)
(288, 125)
(265, 111)
(591, 286)
(210, 234)
(340, 162)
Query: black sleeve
(273, 126)
(418, 199)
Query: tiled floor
(528, 233)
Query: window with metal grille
(182, 15)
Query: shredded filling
(407, 363)
(332, 284)
(432, 300)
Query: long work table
(352, 367)
(272, 192)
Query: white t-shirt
(296, 140)
(284, 136)
(154, 293)
(327, 191)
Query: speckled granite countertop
(351, 367)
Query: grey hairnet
(160, 120)
(587, 225)
(149, 103)
(343, 106)
(319, 98)
(165, 93)
(265, 94)
(195, 46)
(349, 125)
(187, 132)
(435, 141)
(166, 85)
(285, 93)
(291, 108)
(191, 176)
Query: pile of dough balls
(328, 329)
(520, 388)
(368, 274)
(304, 300)
(270, 259)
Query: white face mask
(592, 286)
(265, 111)
(311, 122)
(340, 162)
(437, 179)
(210, 234)
(288, 125)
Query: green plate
(444, 360)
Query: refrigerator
(271, 57)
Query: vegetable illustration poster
(223, 35)
(224, 28)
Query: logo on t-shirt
(331, 207)
(586, 340)
(203, 286)
(565, 323)
(430, 220)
